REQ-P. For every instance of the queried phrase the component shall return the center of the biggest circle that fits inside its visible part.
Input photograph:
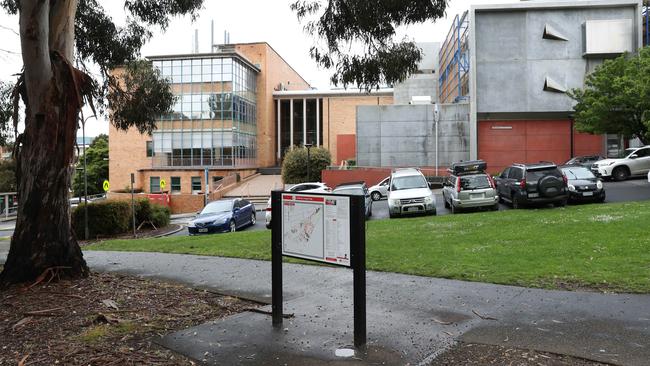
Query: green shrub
(294, 166)
(104, 218)
(143, 210)
(160, 215)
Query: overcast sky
(246, 20)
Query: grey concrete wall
(424, 83)
(512, 59)
(404, 135)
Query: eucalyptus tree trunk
(52, 92)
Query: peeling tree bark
(52, 94)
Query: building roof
(388, 92)
(221, 54)
(555, 4)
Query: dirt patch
(106, 319)
(470, 354)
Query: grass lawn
(600, 246)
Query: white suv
(409, 193)
(632, 162)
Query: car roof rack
(468, 167)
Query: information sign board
(316, 227)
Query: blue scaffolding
(454, 61)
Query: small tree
(96, 167)
(294, 166)
(616, 98)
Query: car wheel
(620, 174)
(560, 204)
(515, 202)
(269, 226)
(391, 215)
(453, 209)
(446, 202)
(376, 196)
(253, 219)
(495, 207)
(233, 226)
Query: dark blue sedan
(223, 216)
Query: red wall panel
(346, 147)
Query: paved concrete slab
(410, 319)
(261, 185)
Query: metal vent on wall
(551, 33)
(551, 85)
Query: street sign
(106, 186)
(326, 228)
(316, 227)
(162, 184)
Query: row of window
(209, 70)
(175, 184)
(223, 106)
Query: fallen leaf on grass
(106, 319)
(22, 362)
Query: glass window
(475, 182)
(149, 149)
(196, 184)
(297, 123)
(154, 184)
(176, 184)
(505, 173)
(516, 173)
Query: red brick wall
(371, 176)
(586, 144)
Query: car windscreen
(534, 175)
(624, 154)
(357, 191)
(475, 182)
(409, 182)
(217, 207)
(578, 173)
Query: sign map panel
(316, 227)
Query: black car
(586, 160)
(222, 216)
(583, 185)
(525, 184)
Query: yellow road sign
(162, 184)
(107, 186)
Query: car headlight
(191, 224)
(599, 184)
(220, 221)
(572, 188)
(428, 200)
(393, 202)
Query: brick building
(238, 109)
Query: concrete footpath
(410, 319)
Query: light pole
(436, 119)
(308, 146)
(83, 129)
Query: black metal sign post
(357, 261)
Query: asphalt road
(631, 190)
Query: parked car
(469, 186)
(357, 189)
(409, 193)
(223, 216)
(586, 161)
(583, 184)
(524, 184)
(313, 187)
(631, 162)
(380, 190)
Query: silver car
(468, 186)
(380, 190)
(356, 189)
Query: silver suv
(468, 186)
(409, 193)
(634, 161)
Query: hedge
(106, 218)
(294, 166)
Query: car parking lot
(635, 189)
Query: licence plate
(204, 230)
(407, 209)
(587, 194)
(476, 196)
(533, 195)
